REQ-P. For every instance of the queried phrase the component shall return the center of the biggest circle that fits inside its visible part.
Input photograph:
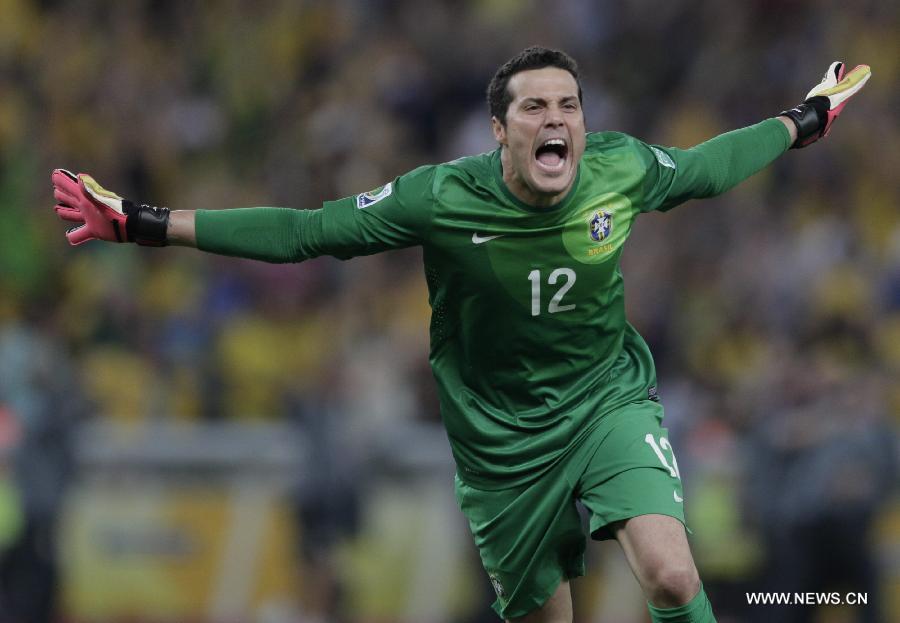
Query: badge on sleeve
(364, 200)
(663, 158)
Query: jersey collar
(497, 168)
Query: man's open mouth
(552, 153)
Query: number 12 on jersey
(555, 305)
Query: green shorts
(530, 537)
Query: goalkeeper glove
(104, 215)
(825, 102)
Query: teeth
(554, 141)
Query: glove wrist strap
(146, 225)
(810, 118)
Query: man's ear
(499, 130)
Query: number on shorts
(658, 449)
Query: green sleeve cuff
(781, 130)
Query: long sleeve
(713, 167)
(393, 216)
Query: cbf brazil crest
(596, 231)
(600, 226)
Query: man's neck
(522, 191)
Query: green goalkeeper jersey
(530, 346)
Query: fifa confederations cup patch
(662, 157)
(375, 195)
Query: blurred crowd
(773, 312)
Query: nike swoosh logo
(476, 239)
(677, 497)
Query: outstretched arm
(395, 215)
(715, 166)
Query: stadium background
(192, 438)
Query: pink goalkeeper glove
(104, 215)
(825, 102)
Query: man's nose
(554, 116)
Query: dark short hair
(535, 57)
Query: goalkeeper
(547, 393)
